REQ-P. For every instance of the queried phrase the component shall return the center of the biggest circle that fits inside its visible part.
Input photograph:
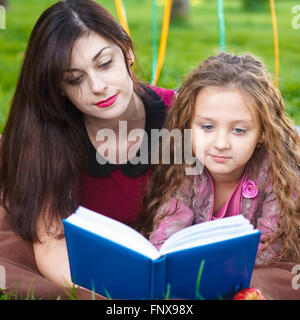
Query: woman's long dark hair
(42, 150)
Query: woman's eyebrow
(94, 58)
(99, 53)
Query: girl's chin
(218, 172)
(218, 168)
(225, 172)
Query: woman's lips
(219, 159)
(107, 102)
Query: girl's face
(231, 131)
(97, 82)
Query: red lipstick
(107, 102)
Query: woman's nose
(98, 84)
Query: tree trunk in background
(3, 3)
(180, 9)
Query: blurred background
(193, 36)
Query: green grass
(71, 294)
(189, 42)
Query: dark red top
(116, 190)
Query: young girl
(76, 79)
(251, 159)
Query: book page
(208, 232)
(113, 230)
(214, 225)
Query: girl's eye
(239, 130)
(207, 127)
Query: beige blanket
(22, 277)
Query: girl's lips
(107, 102)
(219, 159)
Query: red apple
(249, 294)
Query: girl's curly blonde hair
(281, 141)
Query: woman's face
(231, 131)
(97, 81)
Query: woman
(76, 79)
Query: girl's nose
(222, 141)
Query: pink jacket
(256, 202)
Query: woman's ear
(130, 57)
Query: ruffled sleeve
(167, 95)
(173, 222)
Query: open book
(209, 260)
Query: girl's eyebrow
(94, 58)
(199, 117)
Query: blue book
(210, 260)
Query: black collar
(156, 113)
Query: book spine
(158, 288)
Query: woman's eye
(75, 81)
(207, 127)
(105, 64)
(239, 130)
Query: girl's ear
(260, 140)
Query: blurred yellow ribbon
(276, 45)
(163, 40)
(122, 15)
